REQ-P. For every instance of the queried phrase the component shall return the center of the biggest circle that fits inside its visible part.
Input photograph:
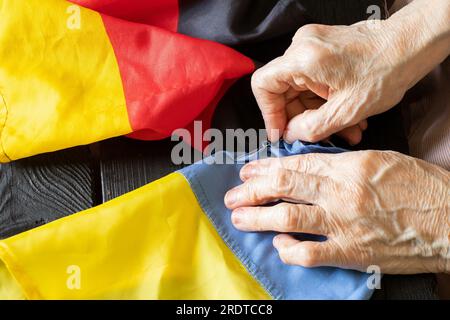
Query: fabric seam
(257, 274)
(3, 125)
(17, 273)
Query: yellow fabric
(152, 243)
(60, 85)
(9, 288)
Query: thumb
(317, 124)
(269, 85)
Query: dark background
(46, 187)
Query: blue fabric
(210, 182)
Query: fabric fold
(255, 249)
(171, 239)
(72, 76)
(152, 243)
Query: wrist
(418, 39)
(431, 224)
(444, 254)
(440, 217)
(444, 257)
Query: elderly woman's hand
(376, 208)
(357, 70)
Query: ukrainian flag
(171, 239)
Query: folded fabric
(71, 76)
(238, 22)
(171, 239)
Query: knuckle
(258, 221)
(314, 55)
(287, 256)
(289, 217)
(320, 186)
(257, 79)
(312, 136)
(305, 163)
(262, 77)
(366, 164)
(316, 50)
(303, 256)
(308, 257)
(281, 183)
(366, 158)
(250, 192)
(308, 30)
(320, 220)
(296, 162)
(311, 132)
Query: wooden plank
(127, 164)
(43, 188)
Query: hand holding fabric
(376, 208)
(360, 70)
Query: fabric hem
(257, 274)
(18, 274)
(3, 117)
(267, 283)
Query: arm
(376, 208)
(422, 32)
(360, 70)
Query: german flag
(72, 76)
(72, 73)
(77, 72)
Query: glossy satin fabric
(136, 68)
(171, 239)
(152, 243)
(260, 29)
(71, 76)
(59, 87)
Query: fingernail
(276, 241)
(236, 216)
(231, 198)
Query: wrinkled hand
(358, 70)
(308, 100)
(376, 208)
(344, 65)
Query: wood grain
(43, 188)
(127, 164)
(130, 164)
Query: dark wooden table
(46, 187)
